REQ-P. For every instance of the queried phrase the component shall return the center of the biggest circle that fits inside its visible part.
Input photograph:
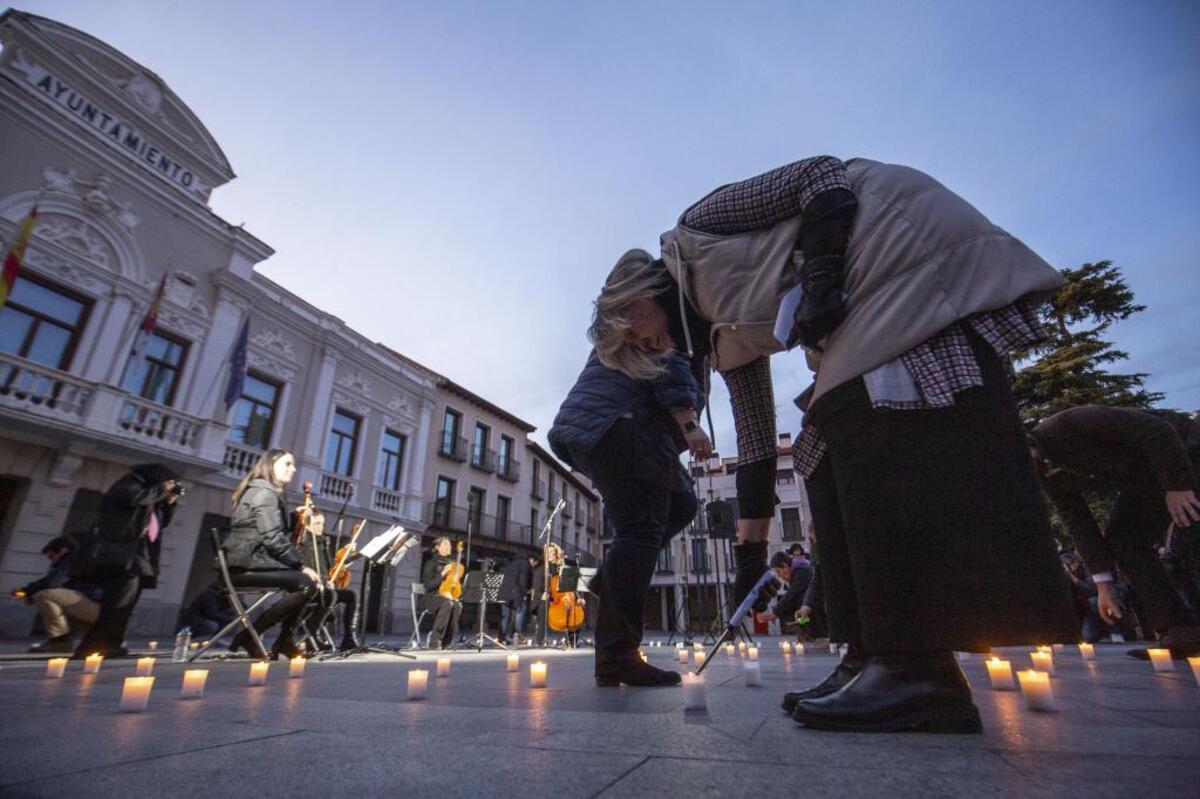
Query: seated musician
(331, 594)
(444, 610)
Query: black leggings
(288, 609)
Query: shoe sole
(951, 721)
(608, 682)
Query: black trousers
(1136, 528)
(940, 539)
(326, 602)
(118, 599)
(837, 577)
(445, 614)
(287, 610)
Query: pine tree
(1071, 367)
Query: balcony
(453, 447)
(454, 519)
(509, 470)
(240, 459)
(538, 489)
(568, 511)
(336, 486)
(483, 459)
(387, 501)
(76, 407)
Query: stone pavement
(345, 729)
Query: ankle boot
(634, 672)
(898, 693)
(349, 641)
(245, 642)
(846, 671)
(285, 647)
(750, 561)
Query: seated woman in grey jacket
(627, 435)
(259, 551)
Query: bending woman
(260, 554)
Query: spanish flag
(14, 254)
(137, 355)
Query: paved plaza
(345, 729)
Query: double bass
(451, 587)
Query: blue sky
(456, 179)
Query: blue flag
(237, 367)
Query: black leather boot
(244, 642)
(349, 641)
(634, 672)
(285, 647)
(846, 671)
(750, 561)
(898, 693)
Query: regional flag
(141, 342)
(237, 367)
(14, 254)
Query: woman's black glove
(821, 308)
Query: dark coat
(118, 546)
(259, 537)
(518, 578)
(793, 597)
(1101, 450)
(601, 396)
(211, 604)
(59, 576)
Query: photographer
(121, 555)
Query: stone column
(111, 340)
(318, 416)
(418, 461)
(209, 369)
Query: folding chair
(414, 598)
(234, 593)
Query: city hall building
(121, 172)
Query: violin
(451, 587)
(339, 573)
(303, 516)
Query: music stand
(482, 587)
(386, 549)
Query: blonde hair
(635, 277)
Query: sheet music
(410, 544)
(380, 542)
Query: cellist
(317, 551)
(445, 611)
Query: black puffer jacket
(259, 536)
(118, 545)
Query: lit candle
(1043, 661)
(729, 649)
(514, 662)
(799, 647)
(258, 673)
(699, 647)
(193, 683)
(1036, 687)
(297, 665)
(153, 645)
(136, 694)
(537, 674)
(443, 667)
(681, 655)
(741, 646)
(753, 652)
(1045, 649)
(145, 667)
(1195, 664)
(418, 683)
(699, 658)
(695, 692)
(1161, 658)
(753, 672)
(91, 663)
(1087, 651)
(55, 668)
(1000, 673)
(786, 646)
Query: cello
(451, 587)
(565, 612)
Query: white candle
(514, 662)
(193, 683)
(699, 659)
(418, 683)
(753, 672)
(91, 664)
(145, 667)
(786, 646)
(1044, 648)
(1087, 651)
(153, 645)
(741, 646)
(55, 668)
(1161, 658)
(1195, 664)
(1043, 661)
(695, 692)
(799, 647)
(729, 649)
(681, 655)
(537, 674)
(833, 648)
(136, 694)
(699, 647)
(443, 667)
(753, 652)
(258, 673)
(1000, 673)
(297, 665)
(1038, 693)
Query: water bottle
(183, 641)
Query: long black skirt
(934, 526)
